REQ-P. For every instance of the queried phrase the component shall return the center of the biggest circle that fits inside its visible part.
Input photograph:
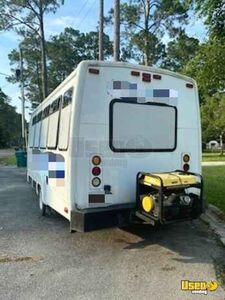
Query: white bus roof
(96, 63)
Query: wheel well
(38, 189)
(34, 185)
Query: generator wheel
(42, 206)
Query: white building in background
(213, 145)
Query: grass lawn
(8, 160)
(214, 185)
(213, 157)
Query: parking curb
(215, 218)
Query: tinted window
(67, 97)
(64, 127)
(55, 106)
(142, 127)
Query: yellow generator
(169, 197)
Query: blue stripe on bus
(56, 174)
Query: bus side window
(64, 127)
(32, 132)
(44, 127)
(53, 124)
(37, 129)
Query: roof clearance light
(93, 71)
(96, 181)
(146, 77)
(189, 85)
(96, 160)
(157, 76)
(135, 73)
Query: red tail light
(96, 171)
(186, 167)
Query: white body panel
(84, 130)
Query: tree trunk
(116, 30)
(146, 33)
(39, 82)
(101, 26)
(44, 77)
(147, 51)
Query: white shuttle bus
(116, 143)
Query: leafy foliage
(23, 15)
(32, 67)
(180, 51)
(64, 52)
(207, 67)
(69, 48)
(214, 12)
(145, 22)
(9, 121)
(17, 14)
(213, 120)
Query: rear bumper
(98, 218)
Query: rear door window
(136, 127)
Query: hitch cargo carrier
(169, 197)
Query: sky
(79, 14)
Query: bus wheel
(42, 206)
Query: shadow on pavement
(192, 241)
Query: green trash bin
(21, 158)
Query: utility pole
(24, 140)
(101, 24)
(116, 30)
